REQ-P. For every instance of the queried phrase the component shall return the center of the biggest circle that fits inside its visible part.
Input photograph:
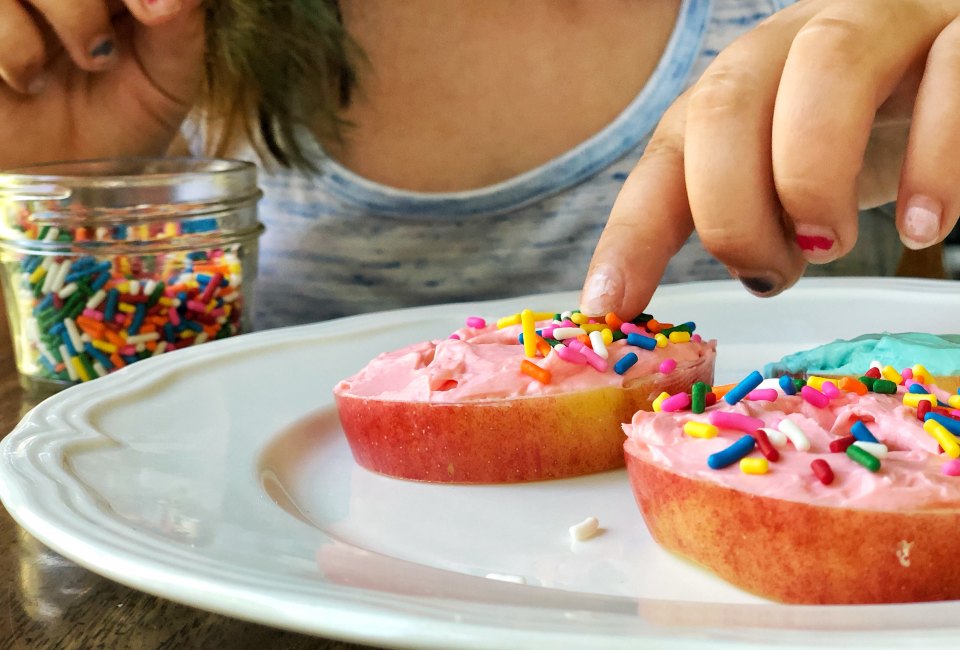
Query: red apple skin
(504, 441)
(799, 553)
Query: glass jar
(107, 262)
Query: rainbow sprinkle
(86, 313)
(583, 340)
(941, 420)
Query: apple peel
(527, 438)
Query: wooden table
(47, 601)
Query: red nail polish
(814, 242)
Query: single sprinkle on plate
(585, 529)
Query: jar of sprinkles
(107, 262)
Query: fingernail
(921, 222)
(102, 49)
(817, 243)
(38, 84)
(602, 291)
(759, 284)
(162, 7)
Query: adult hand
(825, 108)
(95, 78)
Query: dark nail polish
(103, 49)
(761, 286)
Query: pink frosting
(910, 476)
(485, 364)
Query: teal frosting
(939, 354)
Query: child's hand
(794, 127)
(92, 78)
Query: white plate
(219, 477)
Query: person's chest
(460, 95)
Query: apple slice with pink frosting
(460, 410)
(877, 531)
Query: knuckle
(800, 194)
(728, 245)
(662, 149)
(768, 23)
(723, 90)
(833, 41)
(619, 230)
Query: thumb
(649, 223)
(158, 72)
(170, 54)
(155, 82)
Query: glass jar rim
(105, 171)
(121, 192)
(59, 180)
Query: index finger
(648, 224)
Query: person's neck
(459, 95)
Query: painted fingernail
(759, 286)
(38, 84)
(818, 243)
(759, 283)
(103, 49)
(921, 222)
(162, 7)
(602, 291)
